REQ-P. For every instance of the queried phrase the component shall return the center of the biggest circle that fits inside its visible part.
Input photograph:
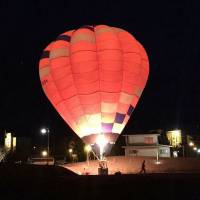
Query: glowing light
(70, 150)
(112, 142)
(8, 140)
(88, 148)
(14, 142)
(43, 130)
(44, 153)
(198, 150)
(175, 154)
(191, 144)
(195, 148)
(101, 141)
(174, 137)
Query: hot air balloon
(94, 77)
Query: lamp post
(45, 131)
(70, 153)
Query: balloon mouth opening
(101, 143)
(97, 138)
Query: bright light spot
(101, 141)
(14, 142)
(112, 142)
(43, 130)
(88, 148)
(174, 137)
(8, 140)
(198, 150)
(175, 154)
(158, 162)
(44, 153)
(195, 148)
(176, 132)
(70, 150)
(191, 144)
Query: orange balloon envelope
(94, 77)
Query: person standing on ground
(143, 168)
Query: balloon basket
(103, 168)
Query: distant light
(88, 148)
(191, 144)
(175, 154)
(198, 150)
(112, 142)
(8, 140)
(195, 148)
(176, 132)
(174, 137)
(70, 150)
(14, 140)
(44, 153)
(43, 130)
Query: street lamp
(191, 144)
(195, 148)
(44, 153)
(70, 153)
(45, 131)
(157, 158)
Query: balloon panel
(94, 77)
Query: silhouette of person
(143, 169)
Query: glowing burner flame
(101, 141)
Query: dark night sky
(170, 33)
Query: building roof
(143, 134)
(146, 146)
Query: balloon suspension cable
(95, 155)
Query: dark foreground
(49, 182)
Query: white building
(145, 145)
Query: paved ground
(132, 165)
